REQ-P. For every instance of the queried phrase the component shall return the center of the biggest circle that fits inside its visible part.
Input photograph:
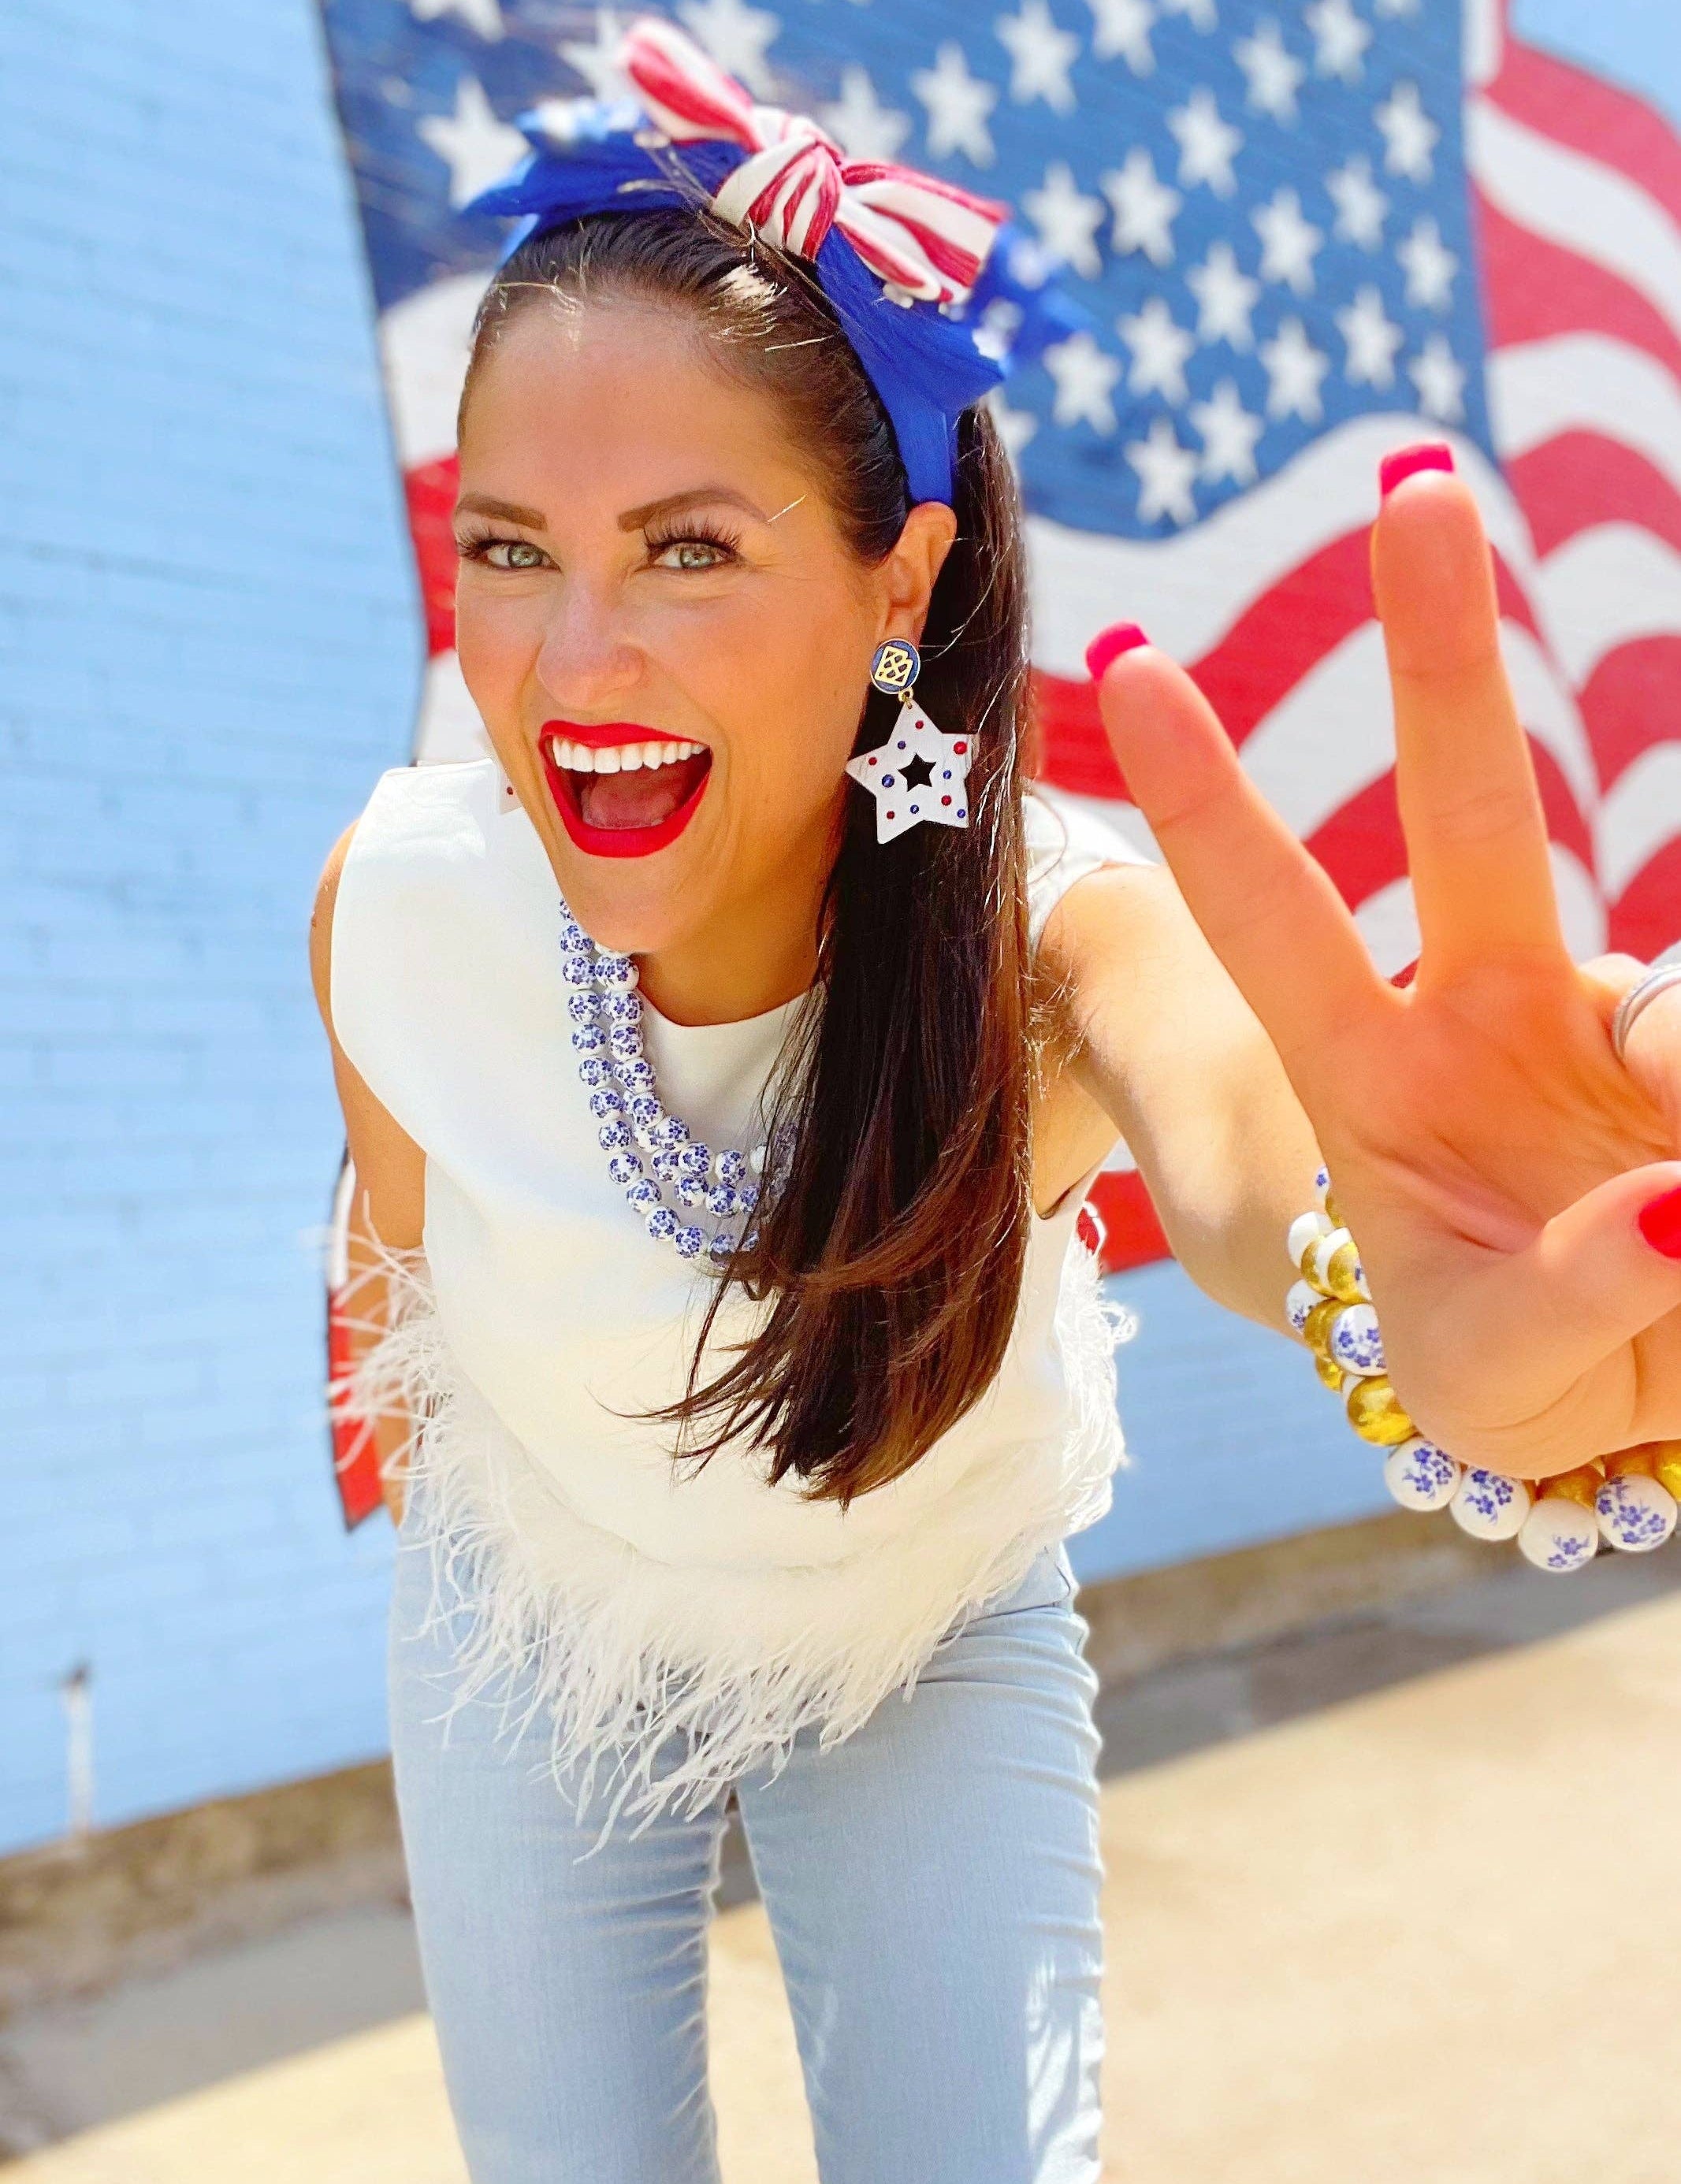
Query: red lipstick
(612, 841)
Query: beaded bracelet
(1628, 1500)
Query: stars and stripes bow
(926, 240)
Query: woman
(743, 1124)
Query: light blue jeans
(932, 1883)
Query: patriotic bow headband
(910, 265)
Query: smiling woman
(739, 1365)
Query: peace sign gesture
(1490, 1151)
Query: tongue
(619, 801)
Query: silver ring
(1659, 977)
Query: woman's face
(667, 635)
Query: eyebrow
(481, 504)
(673, 503)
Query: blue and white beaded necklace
(666, 1175)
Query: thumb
(1601, 1272)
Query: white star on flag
(1207, 143)
(937, 767)
(1294, 369)
(1226, 296)
(1085, 376)
(1159, 349)
(1372, 338)
(1396, 8)
(1200, 13)
(484, 16)
(598, 63)
(1409, 134)
(1166, 471)
(1067, 221)
(1041, 56)
(1360, 205)
(1429, 265)
(736, 36)
(1229, 432)
(1439, 377)
(1340, 39)
(958, 106)
(1121, 31)
(1273, 73)
(1144, 207)
(477, 147)
(1289, 244)
(859, 123)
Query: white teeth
(618, 758)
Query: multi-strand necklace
(699, 1201)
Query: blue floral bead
(613, 1136)
(723, 1201)
(637, 1076)
(592, 1070)
(721, 1249)
(694, 1160)
(689, 1241)
(624, 1045)
(661, 1223)
(674, 1131)
(664, 1164)
(646, 1111)
(616, 973)
(621, 1009)
(732, 1167)
(608, 1102)
(581, 1008)
(690, 1190)
(642, 1194)
(578, 969)
(624, 1167)
(589, 1039)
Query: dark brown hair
(890, 1254)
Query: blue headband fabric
(922, 360)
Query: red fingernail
(1109, 643)
(1660, 1224)
(1407, 462)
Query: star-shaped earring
(919, 773)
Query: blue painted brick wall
(208, 644)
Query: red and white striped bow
(926, 240)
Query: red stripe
(355, 1454)
(1071, 750)
(946, 256)
(1286, 631)
(430, 490)
(1580, 478)
(1646, 916)
(1132, 1234)
(1593, 117)
(1533, 289)
(861, 171)
(1628, 703)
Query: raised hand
(1505, 1172)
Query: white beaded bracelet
(1628, 1501)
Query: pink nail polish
(1109, 645)
(1407, 462)
(1660, 1221)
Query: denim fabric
(932, 1883)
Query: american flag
(1303, 231)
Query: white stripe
(1639, 815)
(1588, 383)
(1571, 200)
(1547, 707)
(1188, 591)
(1603, 588)
(423, 341)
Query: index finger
(1268, 911)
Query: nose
(586, 661)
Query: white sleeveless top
(541, 1323)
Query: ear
(907, 578)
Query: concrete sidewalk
(1410, 1913)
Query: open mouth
(621, 792)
